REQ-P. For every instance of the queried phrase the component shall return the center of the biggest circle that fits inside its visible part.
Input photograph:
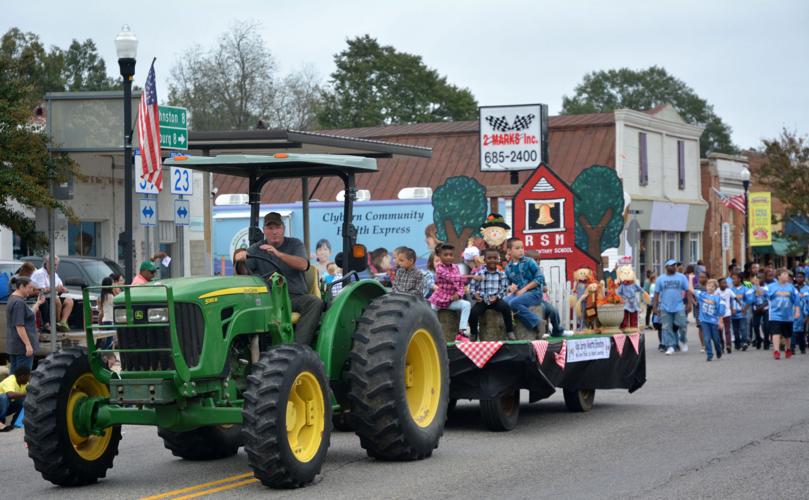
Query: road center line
(173, 493)
(220, 488)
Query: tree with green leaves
(459, 209)
(378, 85)
(27, 168)
(598, 210)
(604, 91)
(785, 171)
(84, 69)
(235, 86)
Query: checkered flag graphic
(522, 122)
(498, 123)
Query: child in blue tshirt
(784, 308)
(799, 324)
(738, 318)
(711, 310)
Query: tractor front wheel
(399, 378)
(287, 416)
(205, 443)
(60, 452)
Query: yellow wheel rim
(306, 417)
(422, 378)
(89, 448)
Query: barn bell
(545, 214)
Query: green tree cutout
(459, 208)
(598, 210)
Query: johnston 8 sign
(513, 137)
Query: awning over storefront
(781, 246)
(797, 227)
(654, 215)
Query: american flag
(736, 201)
(149, 133)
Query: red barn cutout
(543, 218)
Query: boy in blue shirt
(670, 289)
(525, 288)
(711, 308)
(784, 308)
(799, 324)
(738, 318)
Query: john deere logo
(138, 314)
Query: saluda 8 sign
(513, 137)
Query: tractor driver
(289, 257)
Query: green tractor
(212, 363)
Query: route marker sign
(147, 212)
(181, 181)
(173, 127)
(182, 212)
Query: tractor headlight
(157, 315)
(119, 315)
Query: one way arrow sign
(147, 211)
(182, 212)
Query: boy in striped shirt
(488, 287)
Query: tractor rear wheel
(60, 452)
(287, 416)
(399, 379)
(501, 414)
(205, 443)
(579, 400)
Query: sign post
(173, 127)
(513, 137)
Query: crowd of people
(29, 302)
(758, 306)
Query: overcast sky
(747, 58)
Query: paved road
(736, 428)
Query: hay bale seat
(491, 325)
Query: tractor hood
(195, 289)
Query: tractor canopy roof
(278, 166)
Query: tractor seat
(295, 318)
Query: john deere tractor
(212, 363)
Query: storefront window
(657, 251)
(694, 247)
(83, 239)
(671, 245)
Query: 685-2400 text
(511, 156)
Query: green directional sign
(173, 127)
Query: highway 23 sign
(513, 137)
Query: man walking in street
(669, 306)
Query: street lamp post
(126, 45)
(745, 176)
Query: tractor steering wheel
(270, 262)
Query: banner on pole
(760, 219)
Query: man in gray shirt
(289, 257)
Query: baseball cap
(273, 218)
(148, 265)
(672, 262)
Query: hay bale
(491, 326)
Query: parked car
(80, 272)
(76, 273)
